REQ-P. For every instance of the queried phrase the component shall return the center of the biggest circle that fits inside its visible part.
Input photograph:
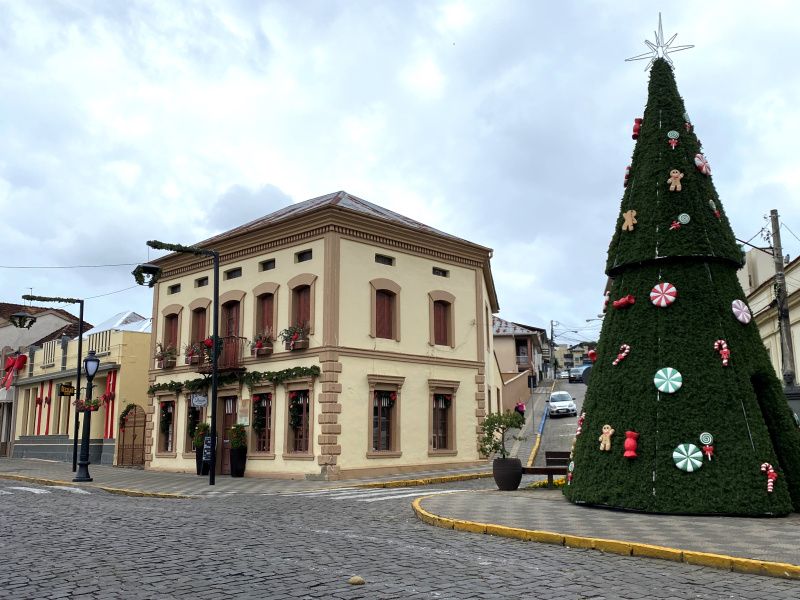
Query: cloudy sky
(505, 122)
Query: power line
(68, 266)
(785, 226)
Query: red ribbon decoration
(13, 364)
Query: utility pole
(553, 349)
(791, 391)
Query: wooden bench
(555, 464)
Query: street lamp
(148, 274)
(90, 365)
(22, 320)
(80, 353)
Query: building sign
(243, 412)
(66, 389)
(199, 401)
(207, 442)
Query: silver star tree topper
(659, 49)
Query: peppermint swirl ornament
(702, 165)
(706, 438)
(687, 457)
(684, 219)
(668, 380)
(741, 312)
(663, 294)
(673, 135)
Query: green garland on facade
(124, 415)
(249, 378)
(169, 386)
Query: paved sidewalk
(189, 484)
(758, 539)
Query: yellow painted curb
(38, 480)
(706, 559)
(141, 494)
(534, 450)
(577, 541)
(662, 552)
(424, 481)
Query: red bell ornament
(637, 126)
(631, 444)
(592, 355)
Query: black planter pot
(238, 461)
(507, 473)
(202, 467)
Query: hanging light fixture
(22, 320)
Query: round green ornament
(668, 380)
(687, 457)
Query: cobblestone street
(59, 543)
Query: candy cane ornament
(721, 346)
(624, 351)
(771, 475)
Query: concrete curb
(424, 481)
(110, 490)
(706, 559)
(535, 449)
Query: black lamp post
(80, 354)
(148, 274)
(90, 365)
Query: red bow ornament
(13, 364)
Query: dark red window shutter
(266, 302)
(384, 314)
(302, 305)
(441, 313)
(171, 331)
(198, 325)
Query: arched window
(441, 306)
(385, 309)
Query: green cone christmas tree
(683, 413)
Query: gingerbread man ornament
(674, 180)
(630, 220)
(605, 438)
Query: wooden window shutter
(384, 314)
(265, 311)
(441, 311)
(199, 325)
(302, 305)
(171, 331)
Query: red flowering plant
(193, 349)
(88, 405)
(208, 347)
(262, 340)
(108, 397)
(293, 333)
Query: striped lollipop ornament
(663, 294)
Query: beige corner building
(398, 318)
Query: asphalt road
(560, 431)
(58, 543)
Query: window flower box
(262, 343)
(295, 337)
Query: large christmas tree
(700, 422)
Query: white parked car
(563, 375)
(561, 404)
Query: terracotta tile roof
(339, 199)
(71, 331)
(7, 309)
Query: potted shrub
(238, 440)
(295, 337)
(507, 471)
(166, 356)
(200, 433)
(193, 353)
(262, 343)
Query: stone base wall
(59, 447)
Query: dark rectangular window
(174, 289)
(441, 272)
(382, 420)
(170, 332)
(201, 282)
(299, 407)
(233, 273)
(441, 421)
(262, 422)
(301, 305)
(384, 260)
(267, 265)
(303, 256)
(384, 314)
(166, 426)
(441, 323)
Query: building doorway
(130, 439)
(228, 421)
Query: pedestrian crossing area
(24, 490)
(355, 494)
